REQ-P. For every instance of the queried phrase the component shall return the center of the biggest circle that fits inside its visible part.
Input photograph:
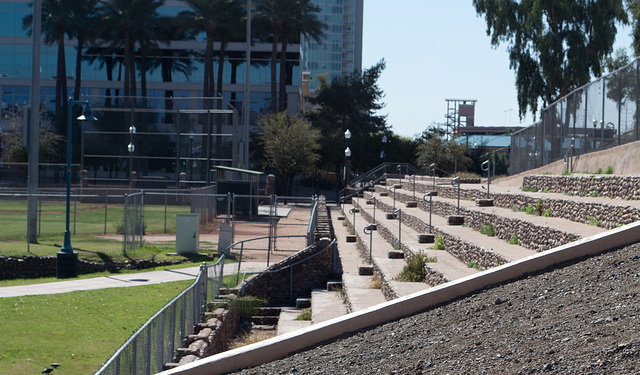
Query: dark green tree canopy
(350, 103)
(290, 145)
(555, 46)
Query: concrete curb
(281, 346)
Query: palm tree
(128, 22)
(273, 14)
(287, 19)
(304, 21)
(85, 18)
(207, 16)
(171, 60)
(57, 21)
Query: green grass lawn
(88, 226)
(79, 330)
(85, 218)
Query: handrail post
(369, 230)
(424, 198)
(399, 210)
(456, 182)
(353, 212)
(432, 168)
(394, 197)
(374, 209)
(486, 166)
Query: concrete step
(326, 305)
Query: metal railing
(147, 351)
(289, 267)
(386, 169)
(313, 223)
(600, 115)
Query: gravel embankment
(580, 318)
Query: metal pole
(66, 247)
(247, 88)
(34, 125)
(374, 209)
(369, 230)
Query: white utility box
(187, 233)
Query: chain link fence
(597, 116)
(114, 225)
(153, 345)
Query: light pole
(191, 156)
(595, 125)
(131, 148)
(347, 155)
(383, 154)
(67, 260)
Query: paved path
(120, 280)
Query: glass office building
(340, 52)
(102, 83)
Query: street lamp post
(131, 148)
(383, 154)
(347, 155)
(67, 260)
(191, 136)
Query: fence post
(125, 225)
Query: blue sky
(437, 50)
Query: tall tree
(207, 16)
(274, 14)
(554, 45)
(57, 22)
(290, 146)
(350, 102)
(128, 22)
(82, 25)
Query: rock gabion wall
(625, 187)
(459, 248)
(32, 267)
(312, 268)
(604, 215)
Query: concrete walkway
(120, 280)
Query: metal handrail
(289, 267)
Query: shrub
(530, 210)
(592, 221)
(514, 240)
(487, 229)
(414, 270)
(539, 204)
(547, 212)
(376, 282)
(473, 264)
(608, 170)
(305, 314)
(438, 243)
(530, 188)
(246, 306)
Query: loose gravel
(578, 318)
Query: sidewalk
(120, 280)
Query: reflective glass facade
(340, 52)
(15, 65)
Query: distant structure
(460, 113)
(460, 123)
